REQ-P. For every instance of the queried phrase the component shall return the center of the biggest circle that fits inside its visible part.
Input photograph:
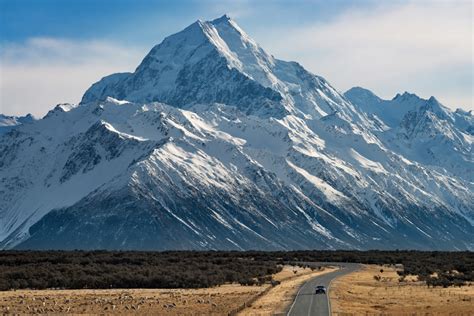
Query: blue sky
(51, 50)
(142, 21)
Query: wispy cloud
(42, 72)
(425, 47)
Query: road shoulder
(278, 299)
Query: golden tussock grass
(359, 293)
(210, 301)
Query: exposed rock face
(212, 143)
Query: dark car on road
(320, 289)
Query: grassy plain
(220, 300)
(211, 301)
(359, 293)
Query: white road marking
(296, 298)
(310, 305)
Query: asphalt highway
(307, 303)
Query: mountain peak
(222, 19)
(282, 161)
(217, 62)
(361, 93)
(364, 99)
(227, 21)
(8, 122)
(406, 96)
(196, 42)
(463, 112)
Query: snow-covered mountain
(422, 130)
(9, 122)
(212, 143)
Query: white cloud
(42, 72)
(422, 47)
(389, 49)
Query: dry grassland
(359, 293)
(211, 301)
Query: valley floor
(359, 293)
(221, 300)
(211, 301)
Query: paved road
(307, 303)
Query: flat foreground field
(359, 293)
(211, 301)
(217, 301)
